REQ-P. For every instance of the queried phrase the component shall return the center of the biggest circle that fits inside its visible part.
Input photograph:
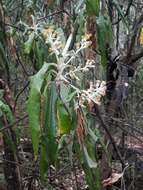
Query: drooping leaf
(92, 176)
(92, 173)
(64, 118)
(43, 157)
(64, 91)
(104, 37)
(29, 43)
(39, 53)
(91, 163)
(93, 135)
(34, 106)
(92, 7)
(50, 121)
(49, 144)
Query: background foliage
(71, 89)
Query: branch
(133, 39)
(53, 14)
(126, 13)
(136, 57)
(13, 124)
(13, 26)
(21, 91)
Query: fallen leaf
(111, 180)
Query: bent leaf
(49, 144)
(34, 106)
(91, 163)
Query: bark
(11, 162)
(11, 168)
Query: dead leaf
(141, 37)
(111, 180)
(81, 133)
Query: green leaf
(29, 44)
(62, 141)
(64, 91)
(64, 118)
(39, 53)
(92, 7)
(44, 157)
(34, 106)
(5, 109)
(104, 37)
(93, 135)
(50, 107)
(91, 163)
(49, 143)
(71, 96)
(92, 174)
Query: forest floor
(69, 176)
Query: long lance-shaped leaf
(34, 106)
(49, 144)
(64, 117)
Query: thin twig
(136, 57)
(126, 13)
(12, 124)
(126, 124)
(24, 69)
(21, 91)
(105, 127)
(52, 14)
(130, 133)
(13, 26)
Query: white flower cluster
(95, 92)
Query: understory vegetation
(71, 85)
